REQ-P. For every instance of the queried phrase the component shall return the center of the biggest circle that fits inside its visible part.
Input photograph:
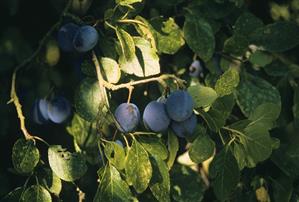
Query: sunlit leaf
(25, 156)
(138, 167)
(67, 166)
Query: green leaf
(257, 144)
(225, 174)
(276, 69)
(260, 58)
(48, 179)
(154, 146)
(90, 99)
(168, 35)
(199, 37)
(202, 96)
(264, 115)
(160, 182)
(25, 156)
(115, 155)
(112, 187)
(111, 69)
(173, 147)
(239, 153)
(138, 167)
(150, 60)
(186, 184)
(67, 166)
(212, 9)
(214, 119)
(286, 158)
(88, 68)
(126, 2)
(86, 137)
(246, 24)
(236, 45)
(84, 132)
(282, 188)
(224, 105)
(13, 196)
(36, 193)
(253, 91)
(202, 148)
(146, 31)
(295, 107)
(227, 82)
(127, 59)
(277, 37)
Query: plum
(184, 128)
(196, 69)
(59, 109)
(85, 39)
(155, 117)
(127, 116)
(40, 111)
(66, 35)
(179, 105)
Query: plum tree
(127, 116)
(85, 38)
(179, 105)
(184, 128)
(40, 111)
(155, 116)
(66, 35)
(59, 109)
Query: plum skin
(127, 116)
(184, 128)
(59, 109)
(195, 69)
(179, 105)
(66, 35)
(40, 111)
(155, 117)
(85, 39)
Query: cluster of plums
(175, 111)
(75, 38)
(56, 110)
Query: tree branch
(13, 94)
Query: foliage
(245, 97)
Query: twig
(128, 85)
(15, 100)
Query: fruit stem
(130, 93)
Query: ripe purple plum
(66, 35)
(40, 111)
(86, 38)
(127, 116)
(196, 69)
(179, 105)
(184, 128)
(155, 117)
(59, 109)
